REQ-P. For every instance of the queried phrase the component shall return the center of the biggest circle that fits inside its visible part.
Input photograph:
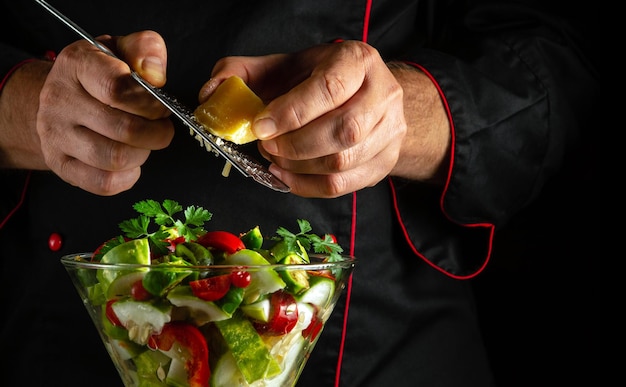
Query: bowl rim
(79, 260)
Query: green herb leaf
(309, 241)
(170, 226)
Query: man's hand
(95, 126)
(335, 121)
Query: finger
(109, 122)
(108, 80)
(93, 149)
(146, 53)
(332, 133)
(334, 184)
(333, 81)
(259, 73)
(371, 119)
(97, 181)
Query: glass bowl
(254, 325)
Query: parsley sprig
(325, 245)
(170, 226)
(166, 216)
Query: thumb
(145, 53)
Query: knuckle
(334, 88)
(105, 183)
(113, 89)
(127, 129)
(339, 161)
(118, 155)
(351, 130)
(361, 52)
(334, 186)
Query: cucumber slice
(296, 280)
(259, 310)
(142, 319)
(122, 284)
(200, 311)
(177, 374)
(320, 293)
(136, 251)
(126, 349)
(226, 372)
(152, 367)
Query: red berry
(240, 279)
(55, 241)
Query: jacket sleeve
(519, 91)
(13, 182)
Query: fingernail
(153, 67)
(264, 128)
(274, 170)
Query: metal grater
(241, 161)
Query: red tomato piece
(110, 313)
(138, 292)
(211, 288)
(174, 242)
(194, 349)
(314, 327)
(222, 240)
(283, 314)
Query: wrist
(425, 153)
(19, 100)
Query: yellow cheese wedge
(230, 110)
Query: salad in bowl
(177, 304)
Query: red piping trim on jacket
(6, 77)
(19, 204)
(344, 329)
(24, 189)
(441, 205)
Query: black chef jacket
(505, 74)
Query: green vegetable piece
(296, 280)
(292, 254)
(95, 294)
(252, 357)
(200, 311)
(163, 277)
(261, 281)
(194, 253)
(259, 310)
(136, 251)
(282, 249)
(231, 300)
(253, 239)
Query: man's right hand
(90, 122)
